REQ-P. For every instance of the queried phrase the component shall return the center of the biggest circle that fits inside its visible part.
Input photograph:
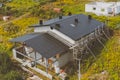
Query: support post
(79, 74)
(90, 51)
(14, 54)
(35, 59)
(47, 66)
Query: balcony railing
(21, 54)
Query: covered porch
(39, 49)
(33, 58)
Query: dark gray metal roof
(75, 30)
(43, 43)
(24, 38)
(51, 21)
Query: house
(54, 42)
(103, 8)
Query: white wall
(108, 8)
(64, 59)
(98, 10)
(42, 29)
(63, 36)
(117, 9)
(47, 28)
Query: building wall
(64, 59)
(42, 29)
(97, 9)
(1, 5)
(63, 36)
(47, 28)
(117, 9)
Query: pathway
(14, 19)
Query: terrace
(46, 64)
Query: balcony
(34, 61)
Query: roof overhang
(43, 43)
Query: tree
(8, 68)
(11, 28)
(5, 63)
(13, 75)
(2, 1)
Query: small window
(102, 10)
(94, 8)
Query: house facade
(53, 42)
(103, 8)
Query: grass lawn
(21, 4)
(108, 60)
(1, 77)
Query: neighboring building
(53, 43)
(6, 18)
(1, 5)
(103, 8)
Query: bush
(10, 70)
(5, 63)
(13, 75)
(11, 28)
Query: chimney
(41, 22)
(76, 20)
(69, 14)
(51, 28)
(89, 17)
(57, 25)
(60, 17)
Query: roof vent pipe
(60, 17)
(89, 17)
(69, 14)
(76, 20)
(51, 28)
(41, 22)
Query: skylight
(73, 25)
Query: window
(102, 10)
(94, 8)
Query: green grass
(23, 24)
(108, 60)
(1, 76)
(22, 4)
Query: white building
(103, 8)
(1, 5)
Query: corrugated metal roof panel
(43, 43)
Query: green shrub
(11, 28)
(5, 63)
(13, 75)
